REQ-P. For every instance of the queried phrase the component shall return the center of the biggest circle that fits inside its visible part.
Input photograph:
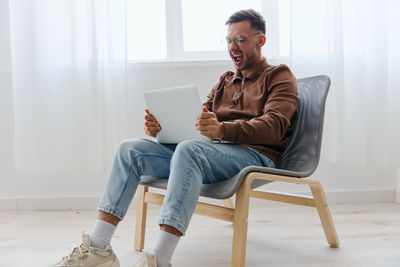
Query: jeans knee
(190, 150)
(130, 145)
(188, 146)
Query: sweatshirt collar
(253, 73)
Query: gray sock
(164, 248)
(101, 234)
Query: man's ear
(262, 40)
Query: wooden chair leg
(228, 203)
(240, 225)
(141, 214)
(325, 214)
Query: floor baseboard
(90, 202)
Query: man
(255, 108)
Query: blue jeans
(187, 166)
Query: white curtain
(69, 82)
(356, 43)
(69, 78)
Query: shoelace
(79, 247)
(73, 252)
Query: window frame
(174, 35)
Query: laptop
(176, 109)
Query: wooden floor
(279, 235)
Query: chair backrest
(303, 152)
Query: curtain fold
(69, 82)
(356, 43)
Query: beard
(249, 60)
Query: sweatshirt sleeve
(271, 127)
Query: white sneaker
(87, 256)
(146, 259)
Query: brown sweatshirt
(258, 111)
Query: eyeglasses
(239, 39)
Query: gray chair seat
(224, 189)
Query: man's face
(244, 53)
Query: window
(195, 30)
(146, 37)
(203, 22)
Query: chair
(299, 160)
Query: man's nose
(233, 45)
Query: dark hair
(256, 20)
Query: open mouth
(238, 58)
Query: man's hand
(208, 125)
(151, 126)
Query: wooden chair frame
(238, 215)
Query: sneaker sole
(108, 264)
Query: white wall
(49, 190)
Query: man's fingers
(206, 115)
(151, 126)
(149, 118)
(151, 123)
(206, 128)
(151, 131)
(203, 128)
(147, 111)
(209, 121)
